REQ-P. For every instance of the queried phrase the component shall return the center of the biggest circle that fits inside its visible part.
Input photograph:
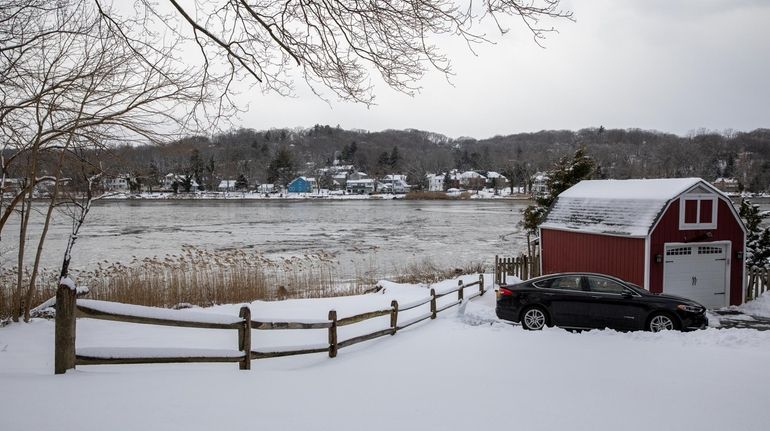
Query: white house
(119, 183)
(226, 185)
(539, 184)
(394, 184)
(435, 182)
(359, 187)
(168, 183)
(472, 180)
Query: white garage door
(697, 272)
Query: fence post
(481, 284)
(393, 316)
(525, 268)
(333, 334)
(432, 303)
(64, 342)
(244, 338)
(460, 289)
(496, 272)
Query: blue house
(301, 185)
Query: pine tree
(757, 238)
(241, 183)
(395, 157)
(565, 173)
(281, 169)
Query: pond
(380, 236)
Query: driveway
(736, 319)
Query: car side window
(603, 285)
(566, 283)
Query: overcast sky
(669, 65)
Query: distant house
(340, 180)
(11, 185)
(394, 184)
(435, 182)
(727, 185)
(360, 187)
(226, 185)
(539, 185)
(119, 183)
(496, 180)
(358, 176)
(266, 188)
(472, 180)
(680, 236)
(301, 185)
(169, 180)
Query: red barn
(680, 236)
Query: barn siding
(728, 229)
(564, 251)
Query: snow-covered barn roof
(617, 207)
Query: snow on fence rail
(521, 266)
(757, 282)
(68, 309)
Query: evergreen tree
(196, 166)
(565, 173)
(281, 169)
(241, 183)
(757, 251)
(395, 157)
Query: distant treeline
(630, 153)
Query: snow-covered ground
(462, 371)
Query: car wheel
(661, 322)
(534, 319)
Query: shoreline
(247, 196)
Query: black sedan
(587, 301)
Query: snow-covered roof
(471, 174)
(616, 207)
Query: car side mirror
(626, 294)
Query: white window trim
(698, 197)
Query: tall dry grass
(428, 272)
(201, 277)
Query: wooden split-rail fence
(757, 282)
(521, 266)
(68, 309)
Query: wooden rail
(757, 282)
(521, 266)
(67, 309)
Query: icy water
(383, 236)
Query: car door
(567, 301)
(610, 308)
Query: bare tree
(84, 74)
(71, 83)
(332, 45)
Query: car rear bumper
(507, 313)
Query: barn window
(709, 250)
(698, 211)
(679, 251)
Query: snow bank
(146, 352)
(758, 307)
(466, 370)
(157, 313)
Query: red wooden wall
(728, 229)
(564, 251)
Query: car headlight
(690, 308)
